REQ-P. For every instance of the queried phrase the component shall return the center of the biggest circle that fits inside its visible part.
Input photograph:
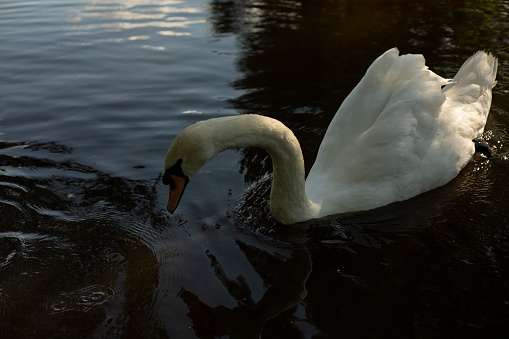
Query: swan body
(402, 131)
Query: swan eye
(167, 178)
(175, 170)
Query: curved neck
(288, 200)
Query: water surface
(93, 92)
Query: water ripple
(83, 299)
(15, 205)
(13, 185)
(23, 241)
(129, 15)
(12, 191)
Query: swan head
(188, 152)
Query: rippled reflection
(170, 18)
(71, 257)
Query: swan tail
(470, 91)
(474, 78)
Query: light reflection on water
(93, 94)
(96, 18)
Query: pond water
(93, 92)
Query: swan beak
(176, 190)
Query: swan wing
(358, 119)
(365, 103)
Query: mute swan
(396, 135)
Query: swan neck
(288, 200)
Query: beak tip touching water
(171, 206)
(170, 210)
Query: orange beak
(176, 191)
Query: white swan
(398, 134)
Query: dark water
(91, 95)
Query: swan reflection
(248, 319)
